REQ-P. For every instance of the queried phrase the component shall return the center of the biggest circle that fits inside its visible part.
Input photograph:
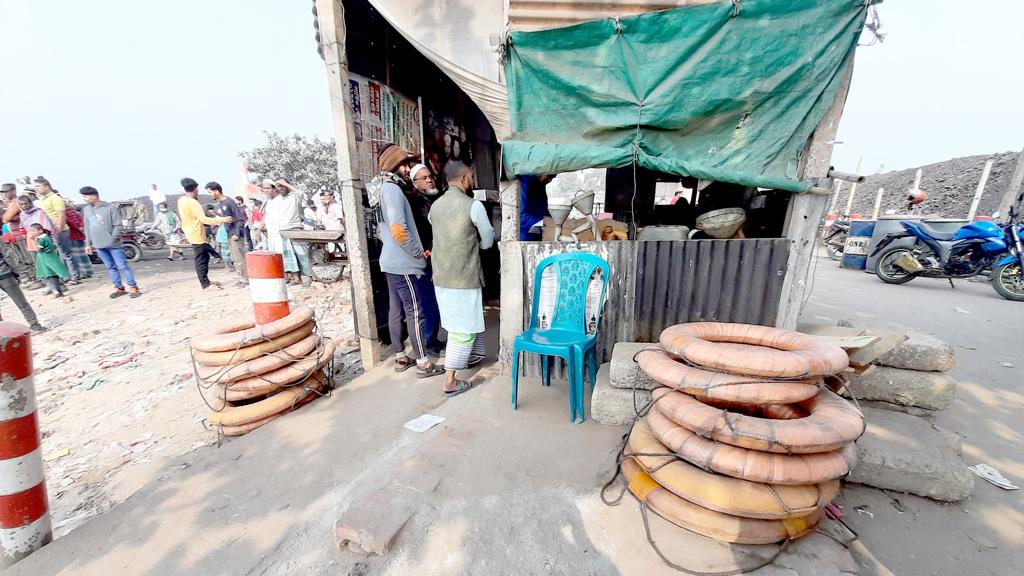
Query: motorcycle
(152, 238)
(834, 237)
(132, 250)
(970, 251)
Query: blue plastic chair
(566, 335)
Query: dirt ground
(117, 400)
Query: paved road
(985, 534)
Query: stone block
(904, 453)
(372, 523)
(625, 373)
(615, 406)
(921, 351)
(929, 390)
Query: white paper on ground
(424, 422)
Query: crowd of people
(431, 259)
(48, 241)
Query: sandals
(460, 387)
(404, 363)
(431, 371)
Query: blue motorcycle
(973, 249)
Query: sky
(119, 94)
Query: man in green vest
(461, 230)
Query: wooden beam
(806, 210)
(331, 17)
(878, 204)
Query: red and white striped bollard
(24, 513)
(267, 288)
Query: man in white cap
(421, 198)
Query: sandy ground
(107, 431)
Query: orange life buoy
(831, 423)
(256, 350)
(707, 522)
(316, 388)
(722, 493)
(754, 350)
(266, 363)
(282, 377)
(753, 465)
(246, 333)
(668, 371)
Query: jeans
(202, 254)
(53, 283)
(67, 254)
(10, 286)
(413, 308)
(117, 267)
(238, 249)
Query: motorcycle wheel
(888, 272)
(834, 252)
(322, 267)
(155, 242)
(1008, 281)
(132, 252)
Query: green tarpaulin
(724, 91)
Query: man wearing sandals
(461, 230)
(412, 302)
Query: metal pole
(878, 203)
(981, 190)
(853, 189)
(24, 512)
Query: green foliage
(310, 164)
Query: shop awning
(728, 91)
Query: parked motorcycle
(973, 249)
(132, 250)
(834, 237)
(152, 238)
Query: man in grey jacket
(103, 236)
(413, 306)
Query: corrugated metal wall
(539, 14)
(715, 280)
(654, 285)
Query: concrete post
(267, 287)
(331, 19)
(24, 512)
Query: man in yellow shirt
(192, 219)
(55, 207)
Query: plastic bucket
(855, 252)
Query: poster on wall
(380, 116)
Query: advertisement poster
(380, 116)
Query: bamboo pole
(878, 203)
(981, 190)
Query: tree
(310, 164)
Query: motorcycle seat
(933, 233)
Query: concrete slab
(372, 522)
(905, 453)
(615, 406)
(929, 390)
(625, 373)
(921, 351)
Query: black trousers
(202, 253)
(10, 286)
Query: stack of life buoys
(743, 443)
(260, 372)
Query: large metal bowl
(722, 223)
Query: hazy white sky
(118, 94)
